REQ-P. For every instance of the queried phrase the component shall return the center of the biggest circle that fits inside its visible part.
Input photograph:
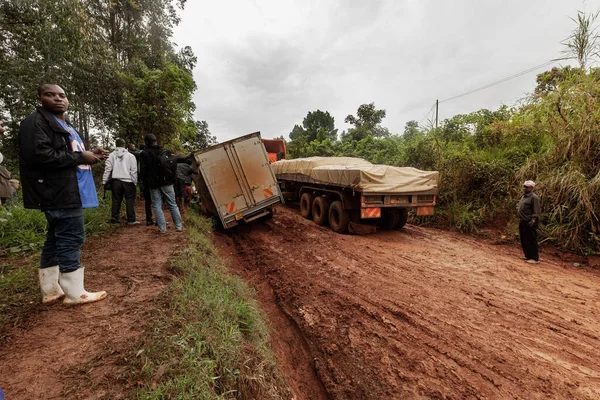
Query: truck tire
(390, 218)
(403, 218)
(306, 202)
(339, 219)
(320, 211)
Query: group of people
(161, 175)
(57, 178)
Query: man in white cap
(529, 212)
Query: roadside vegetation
(209, 339)
(484, 156)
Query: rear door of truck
(239, 178)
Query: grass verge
(22, 234)
(210, 339)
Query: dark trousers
(122, 189)
(147, 201)
(528, 237)
(64, 239)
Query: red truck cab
(275, 149)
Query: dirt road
(420, 313)
(81, 352)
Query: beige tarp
(358, 174)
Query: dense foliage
(483, 157)
(115, 61)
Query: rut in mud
(420, 313)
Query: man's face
(54, 99)
(527, 189)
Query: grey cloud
(257, 74)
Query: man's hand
(531, 222)
(100, 153)
(89, 157)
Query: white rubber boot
(72, 284)
(51, 290)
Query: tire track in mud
(426, 313)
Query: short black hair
(149, 139)
(120, 143)
(40, 89)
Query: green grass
(209, 339)
(22, 234)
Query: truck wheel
(320, 211)
(403, 218)
(338, 217)
(306, 205)
(390, 218)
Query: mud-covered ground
(419, 313)
(82, 352)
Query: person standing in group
(121, 169)
(183, 180)
(529, 213)
(145, 188)
(56, 177)
(6, 191)
(159, 170)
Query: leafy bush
(24, 229)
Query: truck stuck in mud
(347, 193)
(235, 182)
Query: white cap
(529, 183)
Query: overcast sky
(262, 65)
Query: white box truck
(235, 181)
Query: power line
(489, 85)
(426, 115)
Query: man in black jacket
(57, 178)
(529, 214)
(160, 185)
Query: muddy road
(419, 313)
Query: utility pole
(436, 113)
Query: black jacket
(149, 167)
(48, 164)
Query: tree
(583, 42)
(411, 129)
(202, 137)
(316, 120)
(114, 59)
(297, 133)
(367, 122)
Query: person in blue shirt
(56, 177)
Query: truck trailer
(235, 182)
(346, 191)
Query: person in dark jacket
(159, 185)
(145, 188)
(183, 181)
(56, 177)
(529, 213)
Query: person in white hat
(529, 213)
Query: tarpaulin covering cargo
(358, 174)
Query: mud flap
(361, 229)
